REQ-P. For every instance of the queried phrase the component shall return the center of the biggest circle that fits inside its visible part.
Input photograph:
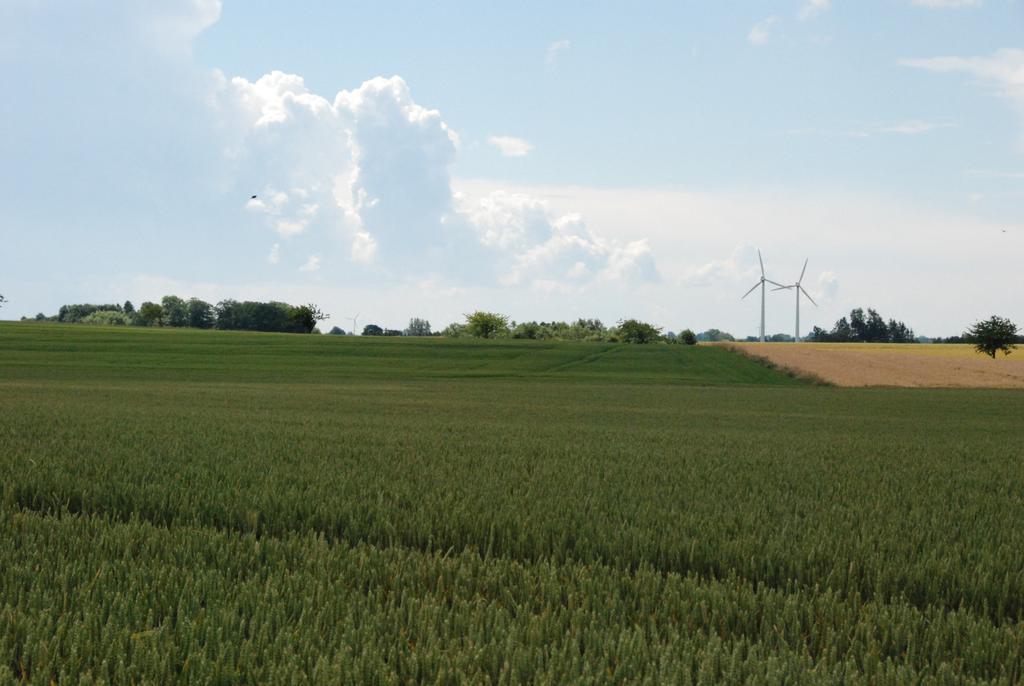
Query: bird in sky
(252, 198)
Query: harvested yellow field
(881, 364)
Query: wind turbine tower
(761, 282)
(799, 289)
(355, 321)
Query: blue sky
(674, 94)
(547, 160)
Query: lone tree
(486, 324)
(992, 335)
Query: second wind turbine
(763, 280)
(799, 289)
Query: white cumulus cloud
(400, 185)
(508, 221)
(813, 8)
(364, 248)
(554, 50)
(761, 31)
(909, 127)
(827, 287)
(947, 4)
(510, 146)
(1003, 71)
(286, 212)
(535, 245)
(741, 264)
(311, 265)
(912, 127)
(373, 166)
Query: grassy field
(221, 507)
(61, 352)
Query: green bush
(107, 318)
(635, 331)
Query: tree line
(990, 336)
(861, 327)
(172, 311)
(482, 324)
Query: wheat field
(889, 364)
(208, 507)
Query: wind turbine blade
(781, 288)
(808, 296)
(802, 271)
(776, 284)
(760, 260)
(751, 290)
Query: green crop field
(219, 507)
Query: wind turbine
(799, 289)
(763, 280)
(354, 321)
